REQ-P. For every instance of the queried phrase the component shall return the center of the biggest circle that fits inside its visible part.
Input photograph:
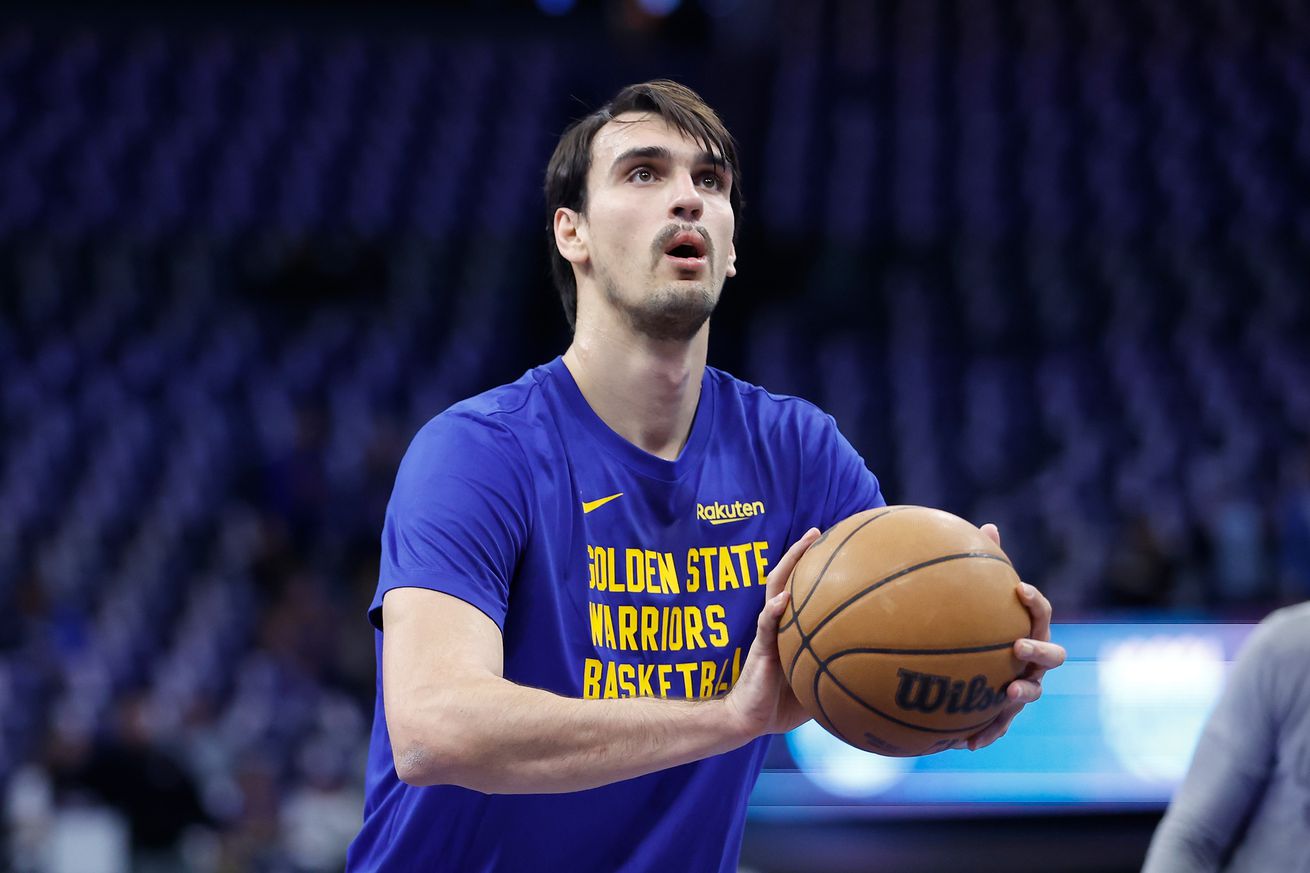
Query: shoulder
(505, 402)
(761, 406)
(1284, 633)
(1273, 665)
(494, 421)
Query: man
(583, 571)
(1245, 803)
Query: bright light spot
(1156, 693)
(556, 7)
(659, 7)
(841, 769)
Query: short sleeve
(844, 481)
(458, 517)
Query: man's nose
(687, 203)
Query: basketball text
(605, 680)
(644, 604)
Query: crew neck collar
(633, 456)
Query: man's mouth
(687, 248)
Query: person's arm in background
(1228, 773)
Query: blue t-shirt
(611, 573)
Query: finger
(1039, 608)
(1046, 655)
(777, 580)
(766, 629)
(995, 730)
(993, 532)
(1024, 691)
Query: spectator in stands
(1245, 803)
(131, 771)
(1142, 572)
(320, 815)
(1236, 540)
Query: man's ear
(571, 235)
(732, 260)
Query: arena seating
(1052, 279)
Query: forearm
(454, 720)
(500, 738)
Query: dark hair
(566, 174)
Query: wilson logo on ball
(928, 692)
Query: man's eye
(642, 174)
(710, 180)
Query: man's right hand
(762, 702)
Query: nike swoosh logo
(589, 505)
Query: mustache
(665, 236)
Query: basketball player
(582, 572)
(1245, 804)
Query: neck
(645, 390)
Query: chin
(672, 311)
(675, 313)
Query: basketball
(899, 633)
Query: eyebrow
(660, 153)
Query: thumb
(777, 580)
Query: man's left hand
(1037, 651)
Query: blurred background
(1044, 262)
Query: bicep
(438, 654)
(432, 641)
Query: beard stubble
(672, 313)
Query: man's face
(657, 234)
